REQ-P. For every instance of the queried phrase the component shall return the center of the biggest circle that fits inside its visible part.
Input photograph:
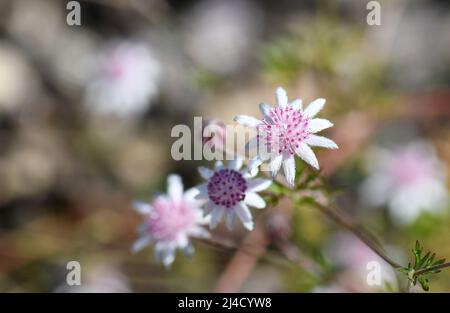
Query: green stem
(432, 268)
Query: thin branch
(345, 221)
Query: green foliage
(315, 45)
(421, 262)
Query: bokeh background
(86, 113)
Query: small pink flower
(229, 191)
(409, 179)
(170, 220)
(126, 79)
(285, 131)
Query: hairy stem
(345, 221)
(432, 268)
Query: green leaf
(417, 247)
(423, 261)
(424, 283)
(404, 270)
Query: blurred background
(86, 113)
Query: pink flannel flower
(170, 220)
(410, 180)
(287, 130)
(126, 80)
(229, 191)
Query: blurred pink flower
(286, 130)
(170, 220)
(127, 79)
(229, 190)
(410, 180)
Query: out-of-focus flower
(170, 220)
(358, 263)
(410, 180)
(220, 34)
(127, 79)
(229, 191)
(16, 77)
(286, 130)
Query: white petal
(253, 199)
(307, 155)
(175, 186)
(275, 165)
(201, 218)
(281, 96)
(191, 193)
(160, 247)
(202, 191)
(182, 241)
(318, 124)
(230, 219)
(289, 169)
(246, 120)
(244, 214)
(218, 165)
(258, 184)
(235, 164)
(265, 109)
(208, 208)
(140, 243)
(168, 256)
(205, 172)
(314, 107)
(216, 216)
(297, 104)
(199, 232)
(253, 165)
(142, 207)
(252, 144)
(320, 141)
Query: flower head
(229, 191)
(126, 79)
(170, 220)
(410, 180)
(287, 130)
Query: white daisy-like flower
(170, 220)
(230, 191)
(126, 80)
(287, 130)
(410, 180)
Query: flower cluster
(228, 191)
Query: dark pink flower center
(284, 130)
(226, 188)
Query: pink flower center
(169, 218)
(284, 130)
(226, 188)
